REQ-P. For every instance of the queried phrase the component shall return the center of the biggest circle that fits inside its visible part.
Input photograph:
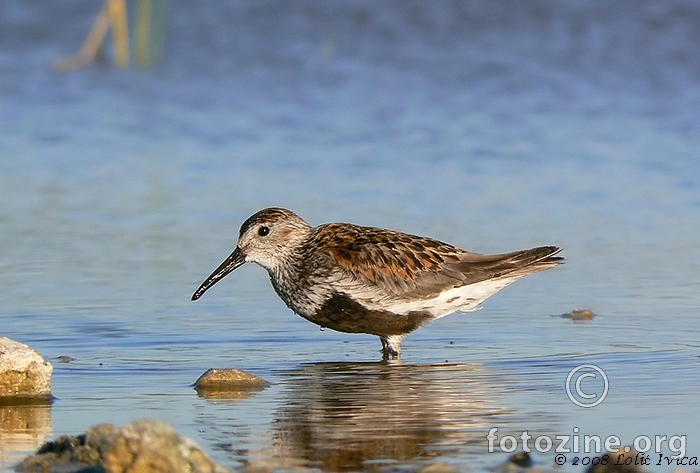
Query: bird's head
(268, 238)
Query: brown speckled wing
(411, 266)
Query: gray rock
(23, 372)
(579, 314)
(143, 445)
(229, 383)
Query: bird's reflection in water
(346, 416)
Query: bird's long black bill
(236, 259)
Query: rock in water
(230, 379)
(23, 372)
(143, 445)
(579, 314)
(229, 383)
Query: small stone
(230, 379)
(616, 460)
(143, 445)
(622, 460)
(65, 359)
(579, 314)
(521, 459)
(23, 372)
(520, 462)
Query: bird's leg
(391, 346)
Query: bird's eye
(264, 231)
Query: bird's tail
(530, 261)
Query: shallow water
(491, 127)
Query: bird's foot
(391, 346)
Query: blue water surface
(494, 126)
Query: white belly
(460, 299)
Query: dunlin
(357, 279)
